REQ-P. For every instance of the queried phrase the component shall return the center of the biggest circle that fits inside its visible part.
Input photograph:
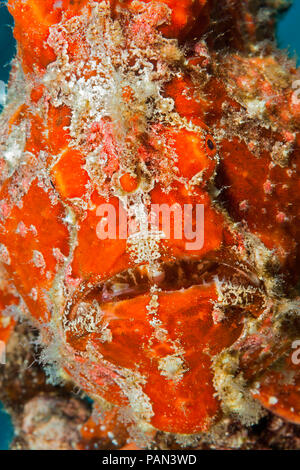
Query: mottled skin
(249, 164)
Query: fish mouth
(176, 275)
(157, 326)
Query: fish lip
(210, 266)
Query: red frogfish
(118, 107)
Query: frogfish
(169, 320)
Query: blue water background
(288, 31)
(288, 38)
(6, 429)
(7, 43)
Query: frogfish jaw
(148, 336)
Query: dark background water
(288, 38)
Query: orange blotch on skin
(183, 92)
(128, 182)
(44, 232)
(239, 177)
(213, 230)
(37, 93)
(32, 22)
(109, 256)
(184, 402)
(69, 177)
(193, 154)
(33, 19)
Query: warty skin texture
(138, 99)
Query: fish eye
(210, 144)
